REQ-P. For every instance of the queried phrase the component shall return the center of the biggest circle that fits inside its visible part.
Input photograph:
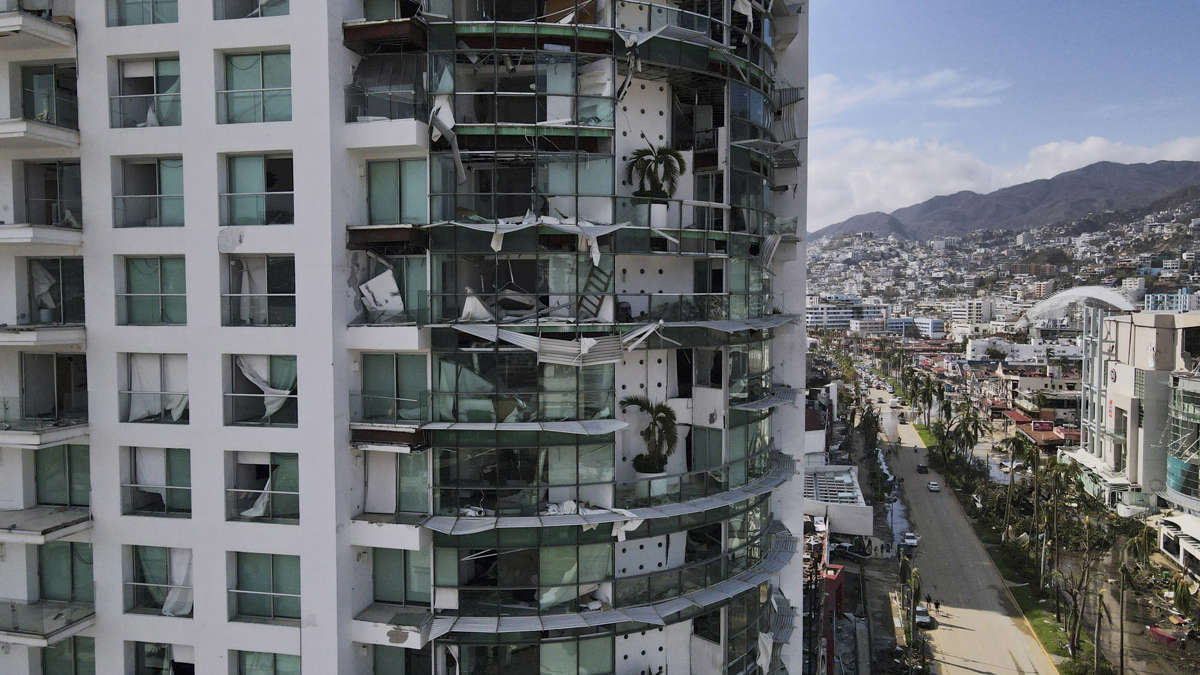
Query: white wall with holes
(654, 274)
(650, 554)
(652, 373)
(647, 652)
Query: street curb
(1003, 582)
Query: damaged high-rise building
(385, 336)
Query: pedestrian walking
(928, 599)
(937, 606)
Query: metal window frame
(158, 261)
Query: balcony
(383, 623)
(386, 530)
(32, 29)
(21, 427)
(38, 525)
(43, 335)
(42, 119)
(44, 622)
(384, 30)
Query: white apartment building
(829, 314)
(320, 319)
(972, 310)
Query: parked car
(922, 618)
(935, 486)
(910, 539)
(922, 468)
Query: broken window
(264, 486)
(263, 391)
(387, 86)
(53, 194)
(147, 94)
(154, 388)
(49, 94)
(54, 388)
(55, 291)
(151, 193)
(261, 291)
(157, 482)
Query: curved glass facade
(559, 286)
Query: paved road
(979, 629)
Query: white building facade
(320, 317)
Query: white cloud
(829, 96)
(965, 102)
(851, 174)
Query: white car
(910, 539)
(923, 620)
(935, 486)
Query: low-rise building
(1180, 301)
(928, 327)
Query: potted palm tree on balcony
(658, 170)
(660, 435)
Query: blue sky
(914, 98)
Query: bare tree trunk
(1096, 636)
(1121, 623)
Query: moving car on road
(910, 539)
(935, 486)
(922, 468)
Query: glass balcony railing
(241, 106)
(44, 105)
(142, 12)
(145, 110)
(522, 406)
(150, 598)
(252, 410)
(156, 500)
(691, 485)
(154, 407)
(148, 211)
(406, 409)
(42, 618)
(639, 16)
(258, 208)
(249, 9)
(55, 212)
(696, 576)
(258, 309)
(371, 104)
(71, 410)
(262, 505)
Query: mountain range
(1074, 194)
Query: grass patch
(1040, 615)
(926, 436)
